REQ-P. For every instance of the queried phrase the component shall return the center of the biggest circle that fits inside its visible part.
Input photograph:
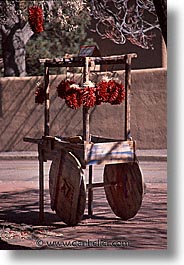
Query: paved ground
(20, 229)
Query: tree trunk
(13, 49)
(161, 10)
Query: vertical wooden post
(127, 96)
(86, 137)
(41, 184)
(47, 102)
(86, 134)
(90, 192)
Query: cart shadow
(148, 229)
(23, 207)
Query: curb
(142, 155)
(152, 155)
(18, 155)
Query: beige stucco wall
(20, 116)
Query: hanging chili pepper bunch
(110, 92)
(89, 97)
(35, 18)
(73, 98)
(105, 92)
(71, 92)
(63, 88)
(40, 94)
(102, 93)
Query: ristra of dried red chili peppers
(89, 97)
(73, 98)
(105, 92)
(40, 94)
(64, 87)
(116, 92)
(35, 18)
(71, 92)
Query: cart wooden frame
(92, 150)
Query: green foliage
(55, 41)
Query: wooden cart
(123, 181)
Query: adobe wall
(20, 116)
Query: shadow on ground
(22, 207)
(19, 217)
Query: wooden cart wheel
(124, 188)
(67, 188)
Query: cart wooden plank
(124, 188)
(109, 152)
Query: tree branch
(26, 33)
(4, 30)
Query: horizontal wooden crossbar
(80, 61)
